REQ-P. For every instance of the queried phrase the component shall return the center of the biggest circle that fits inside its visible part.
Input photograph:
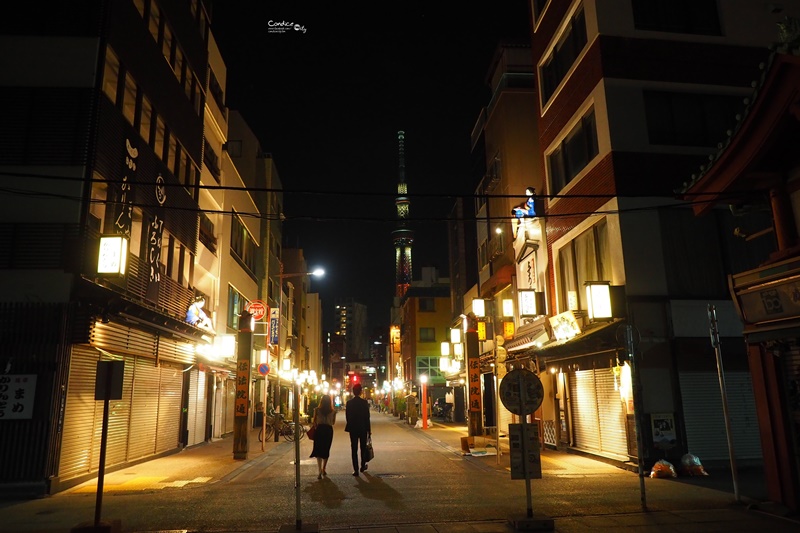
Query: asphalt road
(416, 477)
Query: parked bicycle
(285, 429)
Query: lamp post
(318, 272)
(296, 411)
(423, 379)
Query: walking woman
(324, 418)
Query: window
(171, 155)
(159, 138)
(537, 6)
(243, 246)
(111, 75)
(427, 335)
(129, 99)
(153, 24)
(683, 119)
(146, 119)
(575, 152)
(677, 16)
(207, 233)
(563, 55)
(585, 258)
(236, 303)
(430, 367)
(427, 304)
(139, 7)
(166, 44)
(136, 232)
(97, 207)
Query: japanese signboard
(474, 377)
(273, 325)
(242, 387)
(17, 392)
(525, 456)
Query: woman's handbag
(312, 431)
(370, 451)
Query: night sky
(327, 100)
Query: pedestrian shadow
(325, 492)
(374, 488)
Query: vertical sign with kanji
(242, 387)
(17, 392)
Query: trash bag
(691, 466)
(663, 468)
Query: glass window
(136, 232)
(236, 303)
(429, 366)
(97, 207)
(427, 304)
(155, 16)
(129, 99)
(427, 335)
(158, 140)
(685, 119)
(575, 152)
(243, 245)
(111, 75)
(169, 150)
(677, 16)
(146, 119)
(166, 44)
(566, 51)
(585, 258)
(178, 66)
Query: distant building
(351, 323)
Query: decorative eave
(745, 160)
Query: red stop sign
(258, 309)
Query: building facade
(632, 96)
(120, 139)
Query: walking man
(357, 416)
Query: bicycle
(285, 429)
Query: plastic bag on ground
(663, 468)
(691, 466)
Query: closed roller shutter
(144, 410)
(613, 438)
(169, 407)
(230, 401)
(196, 420)
(79, 414)
(705, 420)
(118, 419)
(583, 406)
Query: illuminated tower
(403, 237)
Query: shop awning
(596, 339)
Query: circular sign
(257, 308)
(521, 391)
(263, 369)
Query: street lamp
(423, 379)
(297, 378)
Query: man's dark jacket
(356, 414)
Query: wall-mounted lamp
(113, 255)
(455, 335)
(531, 303)
(508, 307)
(598, 300)
(479, 307)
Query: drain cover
(390, 476)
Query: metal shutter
(118, 419)
(79, 414)
(169, 407)
(230, 401)
(613, 438)
(583, 403)
(144, 409)
(704, 417)
(198, 400)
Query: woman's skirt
(322, 441)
